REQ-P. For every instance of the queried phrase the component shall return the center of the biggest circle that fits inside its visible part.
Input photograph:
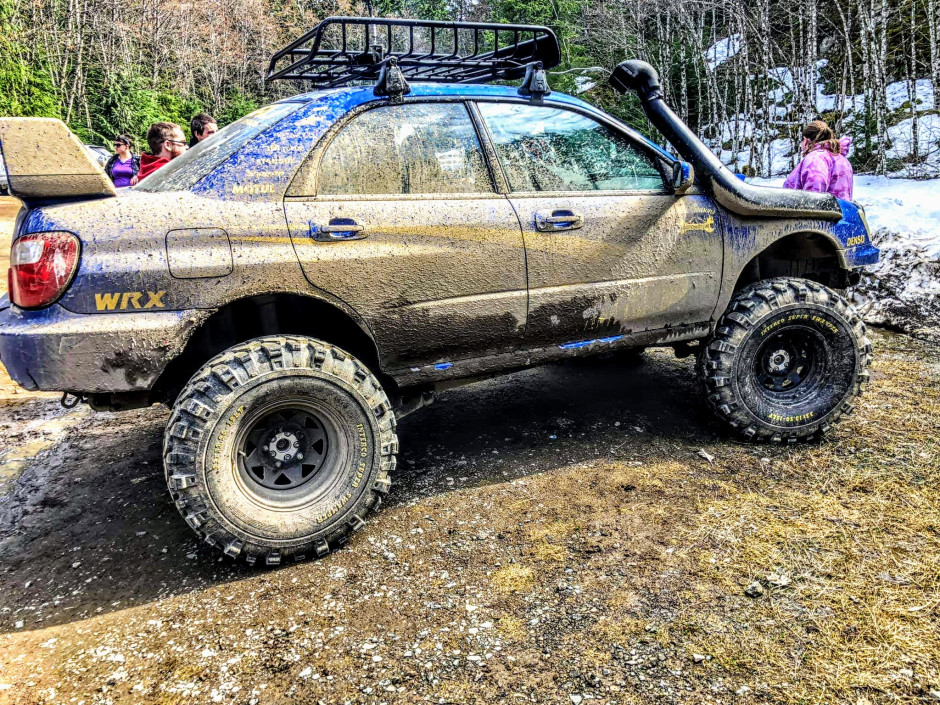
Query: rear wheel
(787, 360)
(279, 448)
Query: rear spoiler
(43, 159)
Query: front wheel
(279, 448)
(787, 360)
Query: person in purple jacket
(824, 167)
(123, 166)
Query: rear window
(185, 171)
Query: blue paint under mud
(263, 169)
(739, 237)
(37, 221)
(850, 232)
(854, 236)
(593, 341)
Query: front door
(610, 250)
(397, 216)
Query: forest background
(746, 74)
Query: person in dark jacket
(166, 141)
(202, 127)
(123, 166)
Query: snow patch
(722, 50)
(898, 93)
(582, 84)
(901, 137)
(768, 151)
(903, 289)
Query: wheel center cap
(283, 446)
(779, 361)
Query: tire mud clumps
(787, 360)
(201, 454)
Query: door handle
(555, 220)
(338, 229)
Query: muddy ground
(554, 536)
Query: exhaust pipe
(732, 193)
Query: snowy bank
(903, 289)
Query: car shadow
(94, 529)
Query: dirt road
(554, 537)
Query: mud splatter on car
(294, 285)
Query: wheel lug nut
(300, 456)
(273, 453)
(296, 444)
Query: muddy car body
(453, 299)
(391, 247)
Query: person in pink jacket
(824, 166)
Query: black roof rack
(341, 50)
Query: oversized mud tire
(787, 360)
(279, 448)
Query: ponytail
(818, 132)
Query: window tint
(412, 148)
(546, 149)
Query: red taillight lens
(41, 267)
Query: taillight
(41, 267)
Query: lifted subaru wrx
(291, 285)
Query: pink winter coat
(821, 170)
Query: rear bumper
(56, 350)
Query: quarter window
(547, 149)
(425, 148)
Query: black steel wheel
(786, 361)
(279, 448)
(284, 446)
(791, 363)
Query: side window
(412, 148)
(547, 149)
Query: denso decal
(127, 300)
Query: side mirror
(683, 177)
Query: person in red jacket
(167, 142)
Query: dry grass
(603, 574)
(853, 527)
(513, 578)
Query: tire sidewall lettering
(842, 360)
(214, 465)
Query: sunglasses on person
(175, 142)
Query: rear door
(396, 214)
(610, 250)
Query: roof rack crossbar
(337, 52)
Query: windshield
(186, 170)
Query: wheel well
(806, 255)
(269, 314)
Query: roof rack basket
(341, 50)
